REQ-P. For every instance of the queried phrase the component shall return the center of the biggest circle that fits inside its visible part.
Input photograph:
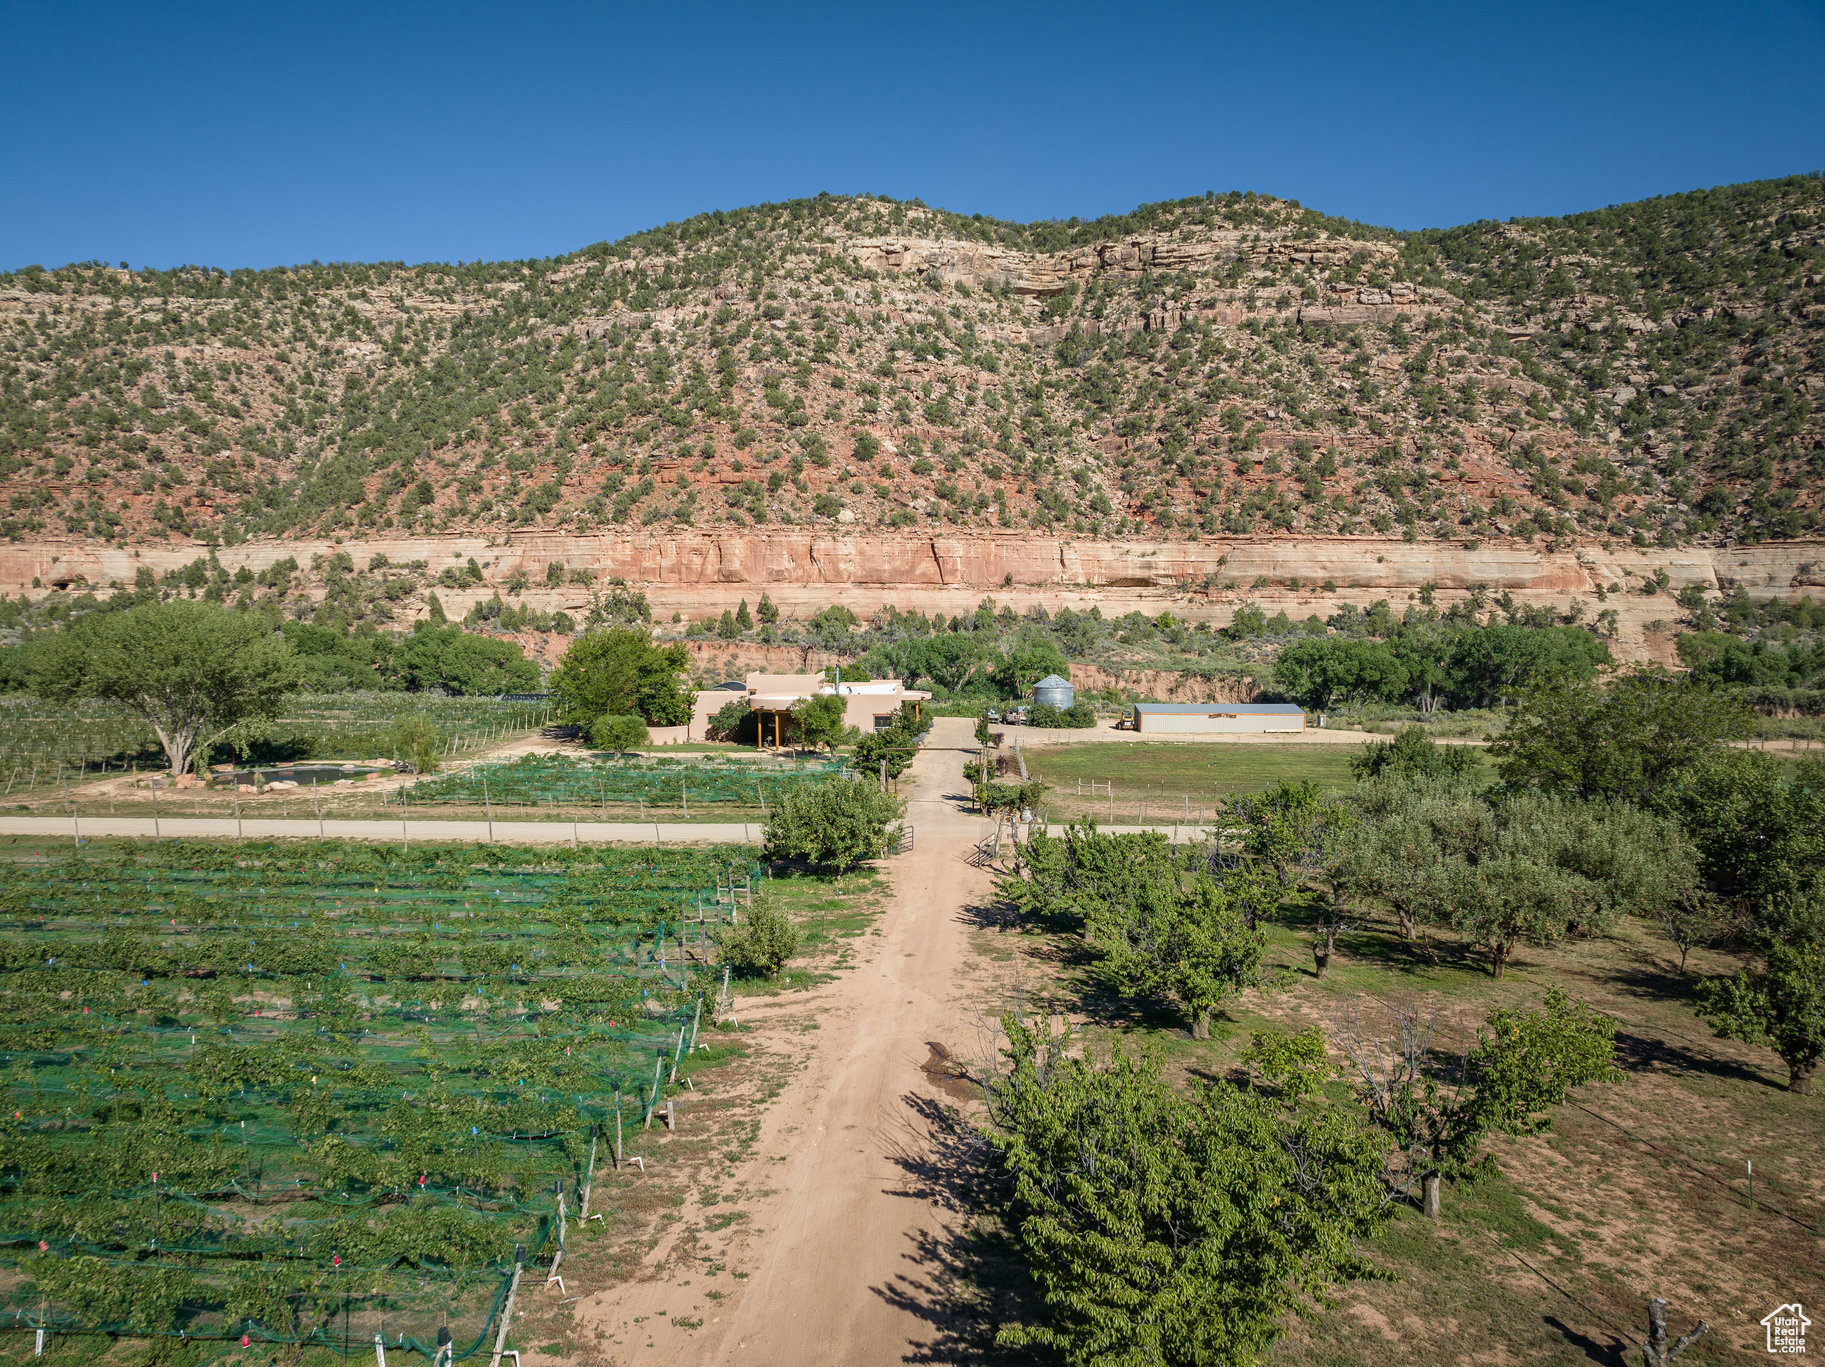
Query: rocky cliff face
(1030, 273)
(700, 573)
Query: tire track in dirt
(834, 1229)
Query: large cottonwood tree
(191, 670)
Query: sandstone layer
(701, 572)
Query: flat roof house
(1218, 718)
(868, 705)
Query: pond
(302, 774)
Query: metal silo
(1055, 692)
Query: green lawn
(1178, 777)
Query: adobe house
(868, 704)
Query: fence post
(405, 838)
(695, 1018)
(487, 806)
(500, 1339)
(658, 1071)
(589, 1179)
(617, 1129)
(237, 814)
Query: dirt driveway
(834, 1239)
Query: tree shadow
(1614, 1353)
(1666, 984)
(1235, 1076)
(990, 914)
(1641, 1054)
(1111, 1010)
(1388, 949)
(966, 1278)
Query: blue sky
(262, 134)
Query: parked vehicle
(993, 714)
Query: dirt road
(501, 831)
(836, 1268)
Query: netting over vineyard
(319, 1095)
(44, 743)
(540, 780)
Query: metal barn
(1218, 718)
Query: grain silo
(1054, 692)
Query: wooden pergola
(761, 714)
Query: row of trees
(1463, 666)
(1756, 828)
(1180, 1226)
(1624, 798)
(325, 657)
(444, 659)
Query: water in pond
(304, 774)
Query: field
(44, 745)
(562, 788)
(1161, 780)
(315, 1094)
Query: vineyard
(560, 783)
(43, 745)
(313, 1097)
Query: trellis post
(500, 1339)
(658, 1072)
(589, 1180)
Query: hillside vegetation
(1229, 364)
